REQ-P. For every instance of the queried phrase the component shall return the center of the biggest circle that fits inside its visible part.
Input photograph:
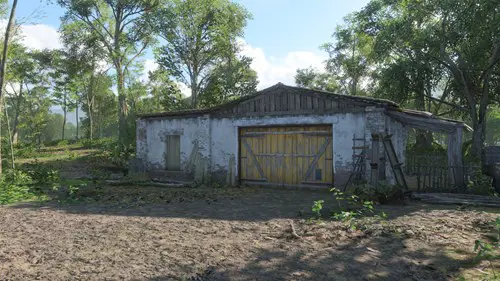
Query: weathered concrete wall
(209, 146)
(194, 143)
(399, 140)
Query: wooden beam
(375, 161)
(455, 158)
(447, 103)
(425, 123)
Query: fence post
(375, 159)
(455, 158)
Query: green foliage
(118, 154)
(487, 250)
(62, 143)
(317, 207)
(435, 149)
(101, 143)
(198, 35)
(15, 186)
(479, 183)
(382, 193)
(230, 79)
(312, 79)
(356, 207)
(349, 56)
(163, 94)
(25, 150)
(493, 126)
(118, 31)
(41, 175)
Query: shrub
(480, 183)
(62, 143)
(25, 151)
(15, 186)
(119, 155)
(317, 207)
(97, 143)
(382, 193)
(357, 207)
(41, 175)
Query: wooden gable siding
(282, 102)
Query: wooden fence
(432, 174)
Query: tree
(199, 34)
(462, 37)
(20, 73)
(37, 98)
(349, 61)
(164, 93)
(64, 79)
(313, 79)
(121, 28)
(493, 129)
(3, 63)
(230, 79)
(98, 98)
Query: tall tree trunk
(122, 107)
(194, 87)
(8, 29)
(16, 115)
(77, 121)
(11, 146)
(478, 137)
(64, 123)
(64, 116)
(90, 107)
(91, 124)
(424, 138)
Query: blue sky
(282, 36)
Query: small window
(173, 153)
(318, 174)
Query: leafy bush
(317, 207)
(119, 155)
(382, 193)
(63, 143)
(25, 151)
(15, 186)
(480, 183)
(97, 143)
(356, 207)
(41, 175)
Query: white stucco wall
(209, 146)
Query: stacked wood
(458, 199)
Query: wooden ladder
(359, 157)
(393, 160)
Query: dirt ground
(154, 233)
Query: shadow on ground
(375, 258)
(157, 233)
(248, 204)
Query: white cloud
(152, 65)
(185, 90)
(272, 70)
(36, 36)
(149, 65)
(40, 36)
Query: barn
(283, 136)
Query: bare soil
(152, 233)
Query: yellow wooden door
(298, 155)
